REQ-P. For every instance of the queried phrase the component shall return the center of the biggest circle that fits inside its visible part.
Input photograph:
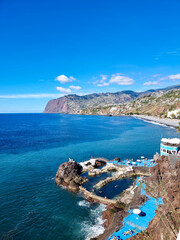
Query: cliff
(151, 102)
(74, 104)
(164, 182)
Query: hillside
(74, 104)
(152, 102)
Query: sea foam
(84, 203)
(95, 225)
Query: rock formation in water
(68, 175)
(164, 182)
(99, 163)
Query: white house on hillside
(174, 114)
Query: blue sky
(54, 47)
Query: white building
(170, 146)
(175, 113)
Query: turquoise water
(32, 146)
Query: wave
(84, 203)
(95, 225)
(63, 187)
(156, 123)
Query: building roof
(171, 140)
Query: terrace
(135, 223)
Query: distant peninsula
(154, 102)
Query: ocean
(32, 146)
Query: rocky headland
(163, 181)
(158, 103)
(68, 175)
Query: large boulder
(68, 171)
(99, 163)
(74, 187)
(68, 175)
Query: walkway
(138, 163)
(134, 223)
(99, 199)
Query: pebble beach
(166, 121)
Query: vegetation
(152, 104)
(178, 128)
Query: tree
(178, 128)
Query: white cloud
(103, 84)
(117, 78)
(23, 96)
(64, 79)
(63, 90)
(75, 87)
(103, 77)
(150, 83)
(174, 77)
(156, 75)
(72, 78)
(121, 80)
(171, 77)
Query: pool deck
(133, 223)
(139, 163)
(123, 169)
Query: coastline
(164, 121)
(156, 204)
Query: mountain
(118, 103)
(74, 104)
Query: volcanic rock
(68, 171)
(99, 163)
(68, 175)
(164, 183)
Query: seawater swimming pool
(112, 189)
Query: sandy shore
(166, 121)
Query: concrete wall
(99, 199)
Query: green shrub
(121, 205)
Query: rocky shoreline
(164, 183)
(69, 175)
(165, 121)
